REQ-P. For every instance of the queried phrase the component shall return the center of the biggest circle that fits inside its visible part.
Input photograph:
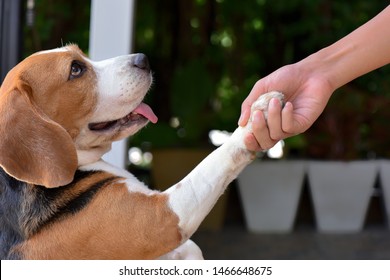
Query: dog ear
(33, 148)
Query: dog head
(60, 110)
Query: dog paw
(262, 102)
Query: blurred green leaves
(207, 54)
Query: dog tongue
(147, 112)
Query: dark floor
(234, 242)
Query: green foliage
(58, 22)
(207, 54)
(191, 91)
(235, 43)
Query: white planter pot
(341, 192)
(384, 177)
(270, 192)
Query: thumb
(245, 113)
(256, 91)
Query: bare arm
(309, 83)
(365, 49)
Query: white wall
(111, 33)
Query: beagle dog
(59, 113)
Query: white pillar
(111, 33)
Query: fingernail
(243, 116)
(275, 102)
(287, 105)
(239, 121)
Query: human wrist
(362, 51)
(318, 68)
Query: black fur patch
(26, 208)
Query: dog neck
(89, 156)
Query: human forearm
(365, 49)
(308, 84)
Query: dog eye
(76, 70)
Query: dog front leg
(193, 197)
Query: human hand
(306, 95)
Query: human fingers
(274, 119)
(288, 119)
(261, 131)
(245, 114)
(256, 91)
(251, 143)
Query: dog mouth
(140, 115)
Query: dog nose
(141, 61)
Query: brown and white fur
(59, 113)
